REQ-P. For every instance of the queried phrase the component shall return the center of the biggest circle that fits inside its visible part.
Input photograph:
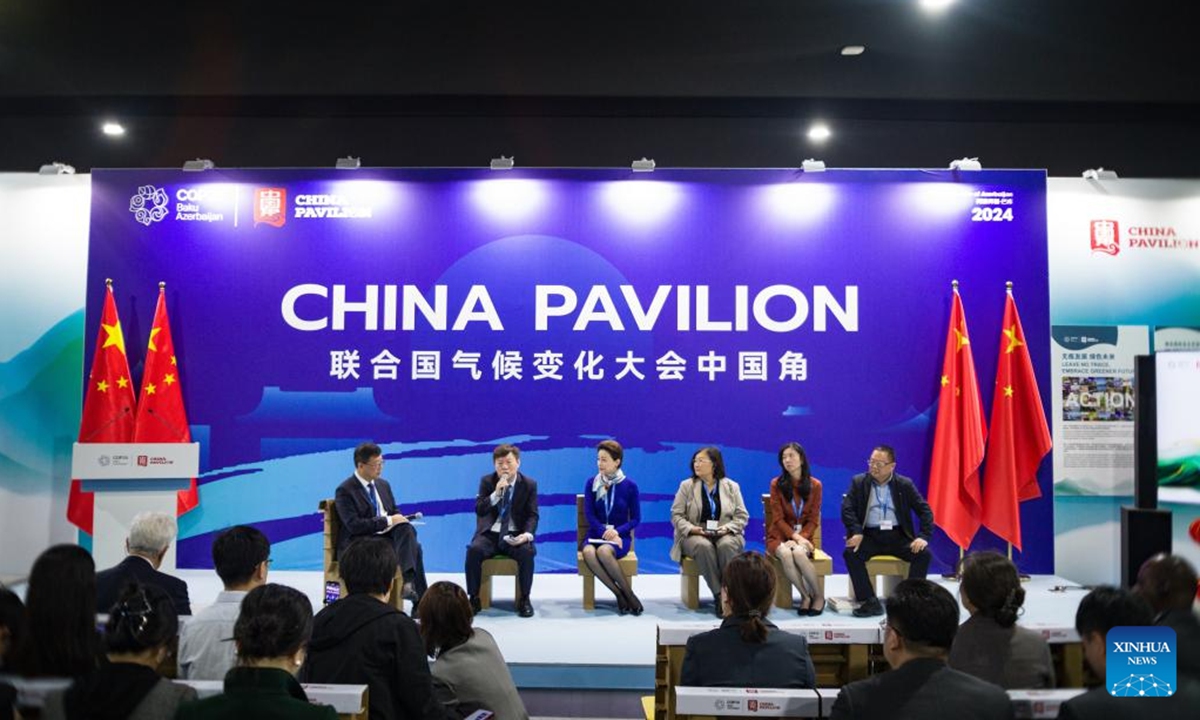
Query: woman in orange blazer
(795, 514)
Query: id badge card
(885, 525)
(610, 527)
(796, 527)
(710, 525)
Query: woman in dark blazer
(141, 627)
(271, 635)
(795, 516)
(610, 502)
(990, 645)
(747, 650)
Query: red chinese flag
(161, 417)
(108, 404)
(1020, 437)
(958, 441)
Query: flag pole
(1024, 577)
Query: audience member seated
(1168, 583)
(922, 619)
(877, 513)
(710, 517)
(12, 634)
(206, 648)
(60, 602)
(1099, 611)
(13, 627)
(150, 535)
(271, 635)
(469, 672)
(990, 645)
(137, 639)
(360, 639)
(610, 502)
(748, 650)
(795, 518)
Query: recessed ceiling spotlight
(935, 5)
(819, 132)
(851, 50)
(112, 129)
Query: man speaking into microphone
(367, 507)
(506, 519)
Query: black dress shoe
(635, 605)
(476, 606)
(815, 611)
(622, 606)
(869, 608)
(525, 609)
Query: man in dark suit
(150, 535)
(877, 513)
(506, 519)
(366, 507)
(922, 618)
(1101, 610)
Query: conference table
(843, 650)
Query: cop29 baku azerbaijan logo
(149, 205)
(1140, 662)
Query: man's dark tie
(371, 497)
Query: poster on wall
(441, 312)
(1176, 339)
(1093, 407)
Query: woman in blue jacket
(610, 501)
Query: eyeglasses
(884, 626)
(876, 464)
(376, 463)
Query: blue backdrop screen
(440, 312)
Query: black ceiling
(1020, 83)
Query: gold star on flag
(153, 332)
(169, 379)
(122, 382)
(1013, 342)
(150, 388)
(102, 386)
(945, 380)
(114, 338)
(173, 360)
(1008, 391)
(962, 339)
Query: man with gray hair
(149, 537)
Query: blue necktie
(371, 497)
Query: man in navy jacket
(877, 513)
(366, 507)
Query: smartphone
(333, 592)
(481, 715)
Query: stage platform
(564, 647)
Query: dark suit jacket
(356, 518)
(110, 583)
(1097, 704)
(524, 512)
(1187, 640)
(720, 658)
(905, 496)
(919, 690)
(1015, 658)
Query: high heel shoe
(622, 606)
(635, 605)
(815, 611)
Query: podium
(128, 479)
